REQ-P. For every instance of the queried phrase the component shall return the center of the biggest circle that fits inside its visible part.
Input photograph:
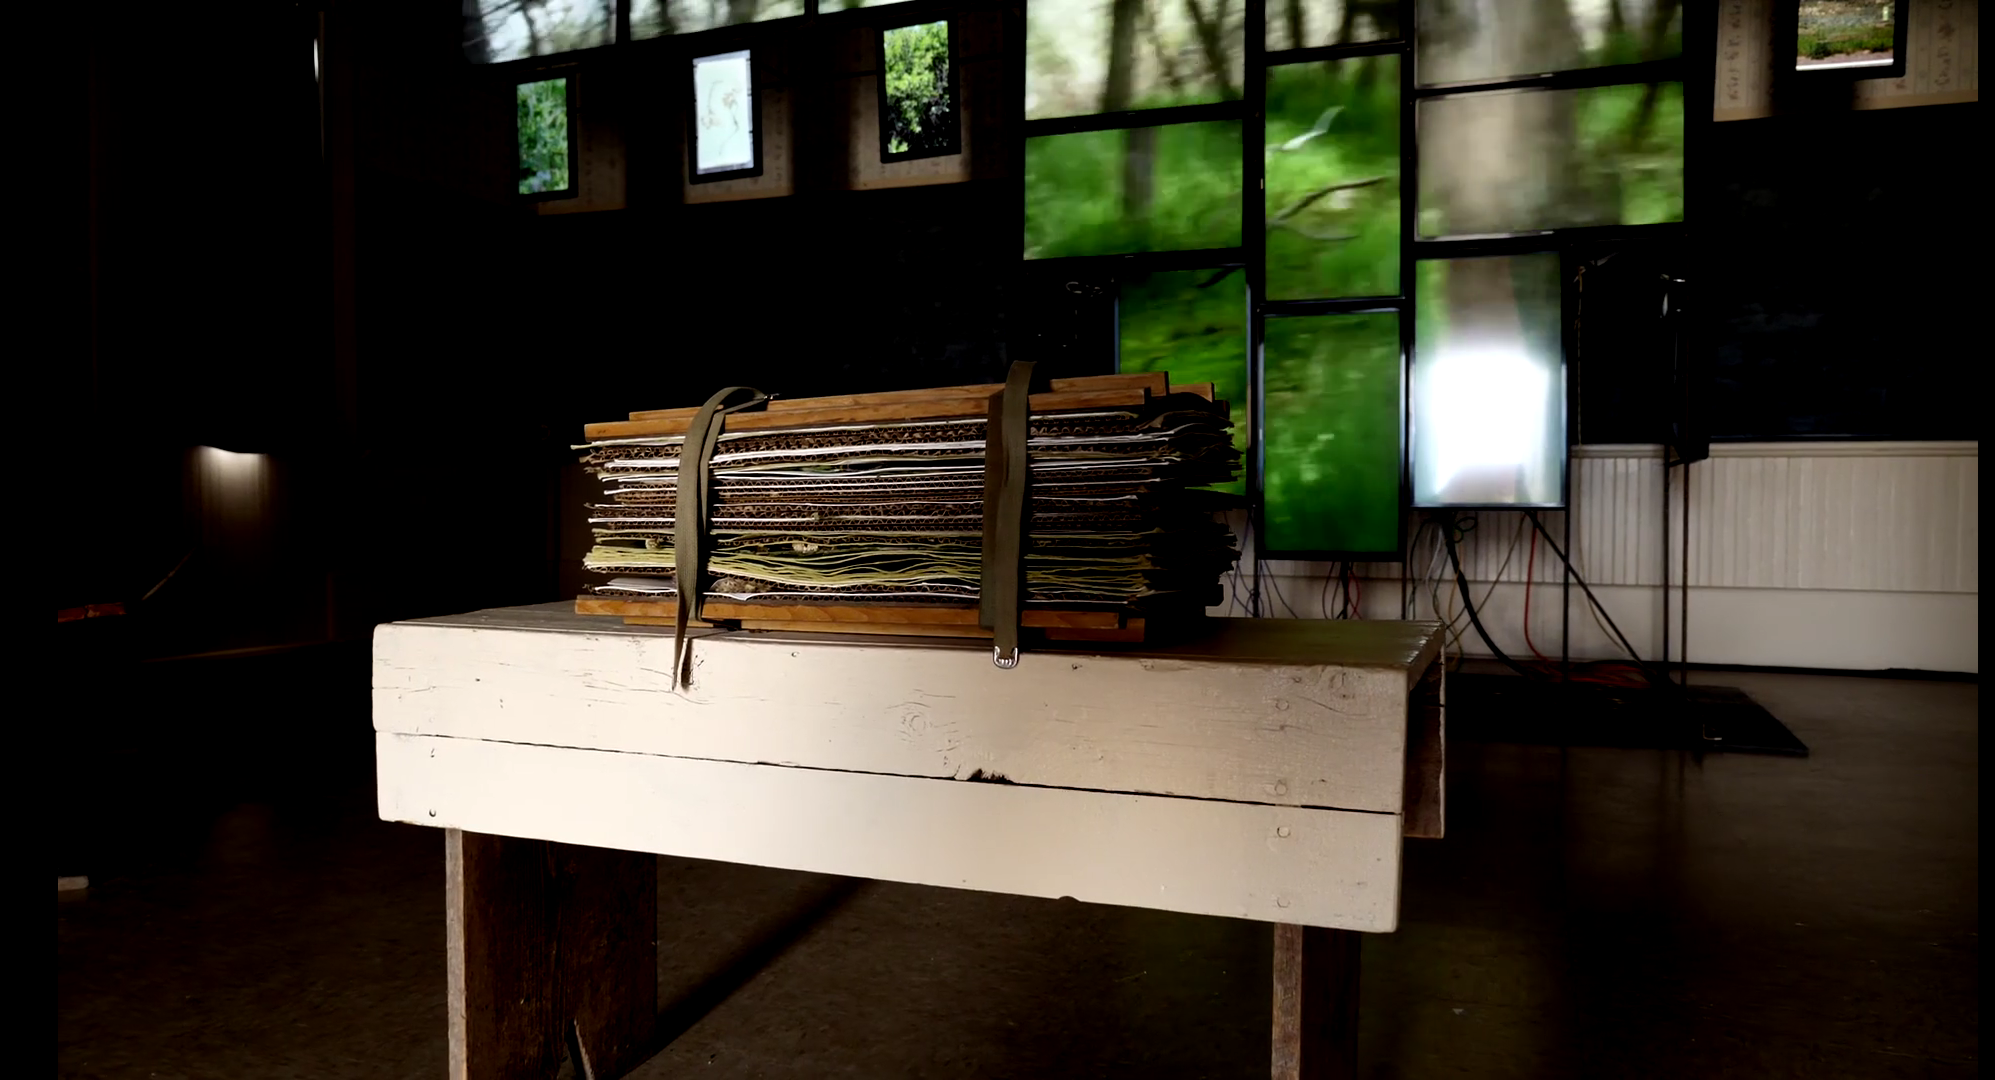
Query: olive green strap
(690, 515)
(1007, 475)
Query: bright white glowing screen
(723, 113)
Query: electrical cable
(1234, 606)
(1452, 616)
(1275, 585)
(1615, 673)
(1595, 601)
(1462, 583)
(1433, 579)
(1531, 569)
(1612, 673)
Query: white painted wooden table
(1265, 771)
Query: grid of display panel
(1319, 156)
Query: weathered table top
(1266, 770)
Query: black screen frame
(570, 76)
(1787, 45)
(954, 145)
(693, 173)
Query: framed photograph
(1843, 39)
(545, 138)
(920, 107)
(724, 139)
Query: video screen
(1191, 325)
(1504, 39)
(663, 18)
(1331, 418)
(1093, 56)
(1524, 160)
(723, 113)
(1333, 179)
(1488, 383)
(546, 163)
(1836, 34)
(1307, 24)
(1171, 188)
(919, 118)
(497, 32)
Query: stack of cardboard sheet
(866, 513)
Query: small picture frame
(1829, 40)
(545, 164)
(723, 127)
(921, 105)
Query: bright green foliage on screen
(1172, 188)
(543, 131)
(1332, 397)
(1192, 325)
(1333, 179)
(921, 113)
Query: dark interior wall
(203, 301)
(1843, 254)
(495, 332)
(435, 452)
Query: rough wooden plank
(1132, 632)
(1426, 810)
(1316, 1003)
(1310, 731)
(547, 943)
(978, 392)
(1155, 384)
(1152, 382)
(1404, 647)
(814, 616)
(926, 630)
(951, 409)
(1309, 867)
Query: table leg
(1316, 1003)
(553, 949)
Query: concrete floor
(1592, 913)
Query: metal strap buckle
(1000, 659)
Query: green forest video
(1169, 188)
(1330, 480)
(543, 133)
(1307, 24)
(1509, 38)
(1173, 188)
(1094, 56)
(920, 119)
(1551, 159)
(1333, 179)
(1191, 325)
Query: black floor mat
(1709, 719)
